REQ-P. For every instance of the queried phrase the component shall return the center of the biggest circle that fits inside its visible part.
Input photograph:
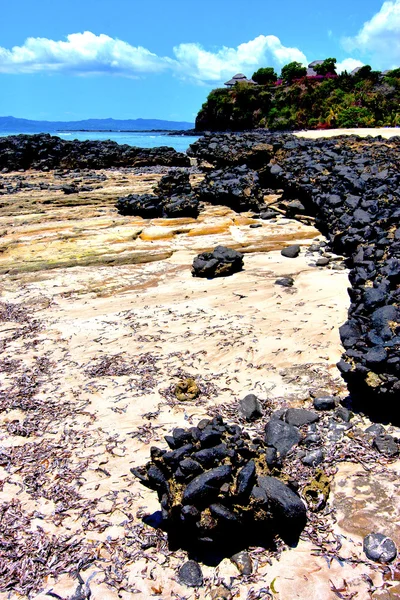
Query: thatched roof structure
(239, 77)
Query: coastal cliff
(306, 103)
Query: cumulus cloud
(205, 66)
(348, 64)
(380, 36)
(81, 53)
(87, 53)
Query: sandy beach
(100, 318)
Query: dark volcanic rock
(250, 407)
(291, 251)
(314, 458)
(206, 486)
(352, 188)
(300, 416)
(145, 205)
(281, 436)
(285, 281)
(43, 151)
(286, 503)
(324, 403)
(190, 574)
(174, 183)
(379, 547)
(219, 263)
(386, 444)
(239, 188)
(221, 496)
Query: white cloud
(380, 37)
(87, 53)
(204, 66)
(348, 64)
(81, 53)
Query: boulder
(219, 263)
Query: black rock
(285, 281)
(190, 574)
(314, 458)
(250, 407)
(281, 436)
(322, 262)
(268, 214)
(206, 486)
(343, 413)
(379, 548)
(237, 187)
(223, 513)
(324, 403)
(300, 416)
(284, 502)
(386, 445)
(174, 183)
(209, 438)
(245, 479)
(291, 251)
(219, 263)
(243, 562)
(375, 429)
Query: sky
(126, 59)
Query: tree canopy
(265, 76)
(327, 66)
(293, 70)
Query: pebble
(285, 281)
(190, 574)
(291, 251)
(324, 403)
(314, 458)
(379, 548)
(250, 407)
(243, 562)
(386, 445)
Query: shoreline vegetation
(313, 98)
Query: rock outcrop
(44, 151)
(351, 186)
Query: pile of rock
(173, 198)
(43, 151)
(219, 263)
(237, 187)
(254, 149)
(353, 186)
(217, 486)
(175, 183)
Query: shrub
(265, 76)
(293, 70)
(355, 116)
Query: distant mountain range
(28, 126)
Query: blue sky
(70, 59)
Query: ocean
(139, 138)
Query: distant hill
(28, 126)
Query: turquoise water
(141, 139)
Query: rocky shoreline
(44, 151)
(351, 187)
(106, 361)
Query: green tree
(328, 66)
(293, 70)
(394, 73)
(265, 76)
(366, 73)
(355, 116)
